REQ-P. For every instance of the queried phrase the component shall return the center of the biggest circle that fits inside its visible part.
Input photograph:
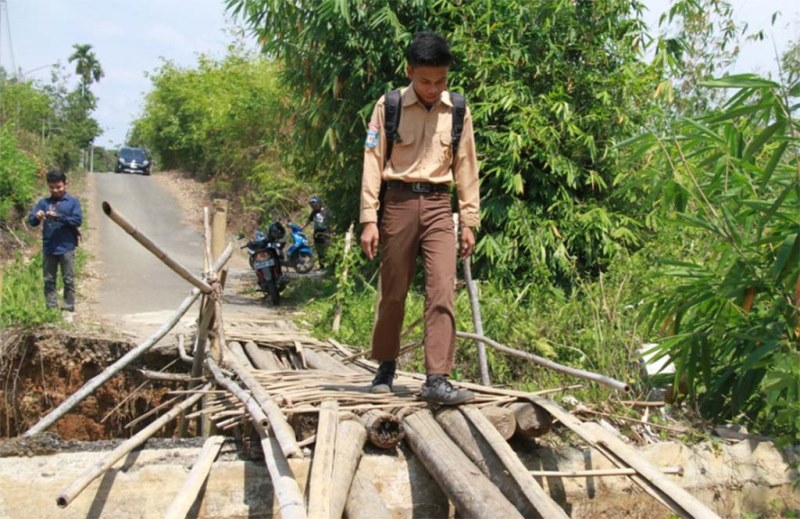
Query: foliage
(87, 67)
(728, 302)
(17, 177)
(222, 120)
(550, 85)
(22, 296)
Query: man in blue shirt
(60, 215)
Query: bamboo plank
(191, 488)
(320, 484)
(350, 438)
(93, 472)
(466, 486)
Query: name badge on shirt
(372, 139)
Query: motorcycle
(266, 259)
(299, 255)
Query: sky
(132, 37)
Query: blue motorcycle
(299, 255)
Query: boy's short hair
(56, 176)
(428, 49)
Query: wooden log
(478, 449)
(593, 473)
(350, 439)
(512, 465)
(261, 358)
(157, 251)
(477, 321)
(648, 476)
(93, 472)
(502, 418)
(304, 424)
(89, 387)
(287, 491)
(363, 501)
(324, 362)
(466, 486)
(588, 375)
(280, 428)
(337, 314)
(237, 351)
(191, 488)
(320, 482)
(383, 429)
(532, 420)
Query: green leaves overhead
(551, 86)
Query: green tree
(727, 300)
(551, 85)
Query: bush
(17, 177)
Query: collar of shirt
(409, 97)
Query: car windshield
(133, 154)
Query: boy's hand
(40, 215)
(369, 240)
(467, 242)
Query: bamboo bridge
(305, 398)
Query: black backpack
(391, 119)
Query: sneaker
(67, 316)
(438, 390)
(382, 383)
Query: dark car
(133, 160)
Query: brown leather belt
(418, 187)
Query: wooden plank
(191, 488)
(350, 438)
(466, 486)
(650, 478)
(320, 484)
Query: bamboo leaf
(758, 142)
(788, 254)
(740, 81)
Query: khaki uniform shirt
(423, 154)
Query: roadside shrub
(17, 177)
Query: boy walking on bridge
(419, 142)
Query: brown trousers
(417, 224)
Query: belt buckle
(421, 187)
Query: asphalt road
(134, 281)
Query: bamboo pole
(593, 473)
(182, 350)
(350, 439)
(191, 488)
(588, 375)
(647, 475)
(90, 386)
(512, 465)
(321, 361)
(261, 359)
(467, 487)
(207, 255)
(337, 315)
(321, 479)
(269, 409)
(287, 491)
(219, 225)
(72, 491)
(155, 249)
(477, 321)
(171, 377)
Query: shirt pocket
(404, 152)
(445, 147)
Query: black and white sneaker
(438, 390)
(384, 378)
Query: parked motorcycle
(299, 255)
(266, 258)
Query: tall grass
(22, 296)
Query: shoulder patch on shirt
(372, 139)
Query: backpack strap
(459, 112)
(391, 120)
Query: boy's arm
(73, 215)
(374, 152)
(465, 172)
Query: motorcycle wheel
(272, 291)
(303, 262)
